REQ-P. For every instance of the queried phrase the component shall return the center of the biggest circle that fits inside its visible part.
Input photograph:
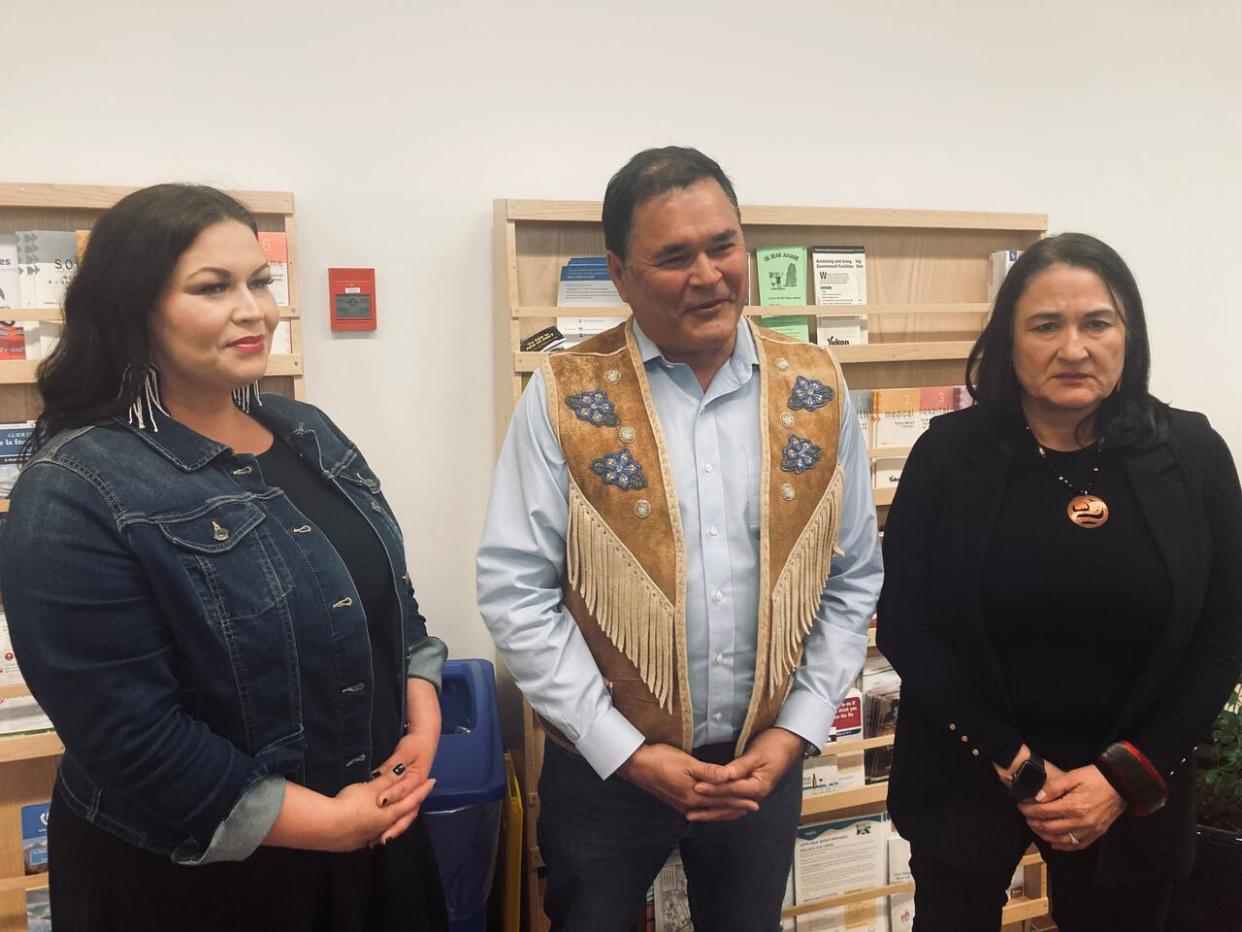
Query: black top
(1073, 613)
(956, 702)
(354, 539)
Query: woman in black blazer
(1062, 598)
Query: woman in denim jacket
(209, 597)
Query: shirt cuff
(244, 829)
(427, 661)
(609, 742)
(807, 717)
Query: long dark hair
(1130, 416)
(97, 368)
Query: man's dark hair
(1130, 416)
(649, 174)
(96, 370)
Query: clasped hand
(1078, 805)
(705, 792)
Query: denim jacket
(194, 639)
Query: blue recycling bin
(463, 812)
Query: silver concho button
(642, 508)
(612, 376)
(628, 434)
(782, 363)
(787, 419)
(787, 492)
(218, 532)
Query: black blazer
(955, 713)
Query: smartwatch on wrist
(1028, 779)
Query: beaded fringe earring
(246, 396)
(146, 395)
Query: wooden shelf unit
(28, 762)
(75, 207)
(927, 276)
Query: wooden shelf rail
(22, 884)
(518, 209)
(30, 747)
(523, 312)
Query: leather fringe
(631, 610)
(800, 588)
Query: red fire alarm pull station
(351, 298)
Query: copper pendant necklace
(1085, 510)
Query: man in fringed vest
(678, 566)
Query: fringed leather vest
(625, 581)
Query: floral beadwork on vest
(810, 394)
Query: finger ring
(1073, 840)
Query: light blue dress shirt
(714, 450)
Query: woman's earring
(247, 395)
(146, 395)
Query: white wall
(396, 123)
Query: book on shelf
(671, 902)
(585, 282)
(881, 689)
(18, 339)
(46, 261)
(840, 274)
(21, 715)
(861, 398)
(545, 341)
(832, 774)
(8, 271)
(902, 414)
(935, 400)
(10, 673)
(782, 283)
(13, 437)
(12, 340)
(842, 330)
(886, 473)
(897, 422)
(840, 279)
(81, 238)
(782, 275)
(797, 326)
(999, 264)
(847, 721)
(900, 905)
(789, 924)
(835, 858)
(34, 837)
(275, 248)
(38, 910)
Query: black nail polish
(399, 769)
(383, 801)
(375, 774)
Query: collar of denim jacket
(190, 450)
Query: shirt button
(714, 531)
(708, 468)
(719, 716)
(718, 596)
(719, 659)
